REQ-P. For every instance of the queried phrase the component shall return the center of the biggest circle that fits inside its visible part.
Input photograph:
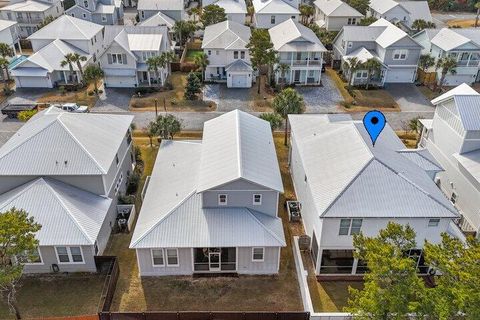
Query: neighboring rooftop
(157, 5)
(232, 6)
(337, 8)
(461, 90)
(348, 177)
(275, 7)
(138, 38)
(55, 142)
(67, 27)
(27, 6)
(291, 35)
(158, 19)
(227, 35)
(448, 39)
(4, 24)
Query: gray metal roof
(67, 27)
(55, 142)
(291, 36)
(68, 215)
(160, 5)
(232, 6)
(469, 111)
(348, 177)
(228, 35)
(422, 158)
(419, 10)
(158, 19)
(239, 66)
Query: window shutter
(124, 58)
(109, 58)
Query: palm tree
(306, 12)
(201, 61)
(5, 52)
(288, 101)
(4, 65)
(425, 62)
(93, 73)
(70, 60)
(373, 66)
(251, 12)
(352, 64)
(78, 59)
(477, 6)
(168, 58)
(154, 64)
(282, 69)
(447, 65)
(195, 12)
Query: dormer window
(222, 199)
(85, 4)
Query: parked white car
(72, 107)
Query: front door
(214, 261)
(297, 76)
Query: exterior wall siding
(268, 266)
(264, 20)
(49, 257)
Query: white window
(119, 183)
(257, 254)
(235, 54)
(85, 4)
(293, 17)
(361, 74)
(354, 20)
(222, 199)
(433, 222)
(209, 52)
(350, 227)
(343, 44)
(400, 54)
(349, 21)
(73, 15)
(453, 198)
(217, 52)
(104, 17)
(117, 58)
(257, 199)
(157, 257)
(69, 255)
(32, 257)
(116, 159)
(172, 257)
(272, 19)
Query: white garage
(239, 74)
(239, 81)
(120, 82)
(401, 75)
(31, 78)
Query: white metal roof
(105, 9)
(391, 34)
(27, 6)
(383, 6)
(226, 35)
(163, 5)
(67, 27)
(422, 158)
(232, 6)
(471, 162)
(348, 177)
(275, 7)
(361, 54)
(417, 9)
(449, 39)
(239, 66)
(55, 142)
(148, 42)
(158, 19)
(337, 8)
(4, 24)
(68, 215)
(291, 35)
(231, 147)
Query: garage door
(239, 81)
(32, 82)
(120, 82)
(401, 75)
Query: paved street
(440, 19)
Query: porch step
(216, 275)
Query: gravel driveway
(114, 100)
(409, 98)
(323, 99)
(228, 99)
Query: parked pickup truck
(12, 110)
(72, 107)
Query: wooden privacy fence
(426, 78)
(113, 271)
(204, 316)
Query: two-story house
(105, 12)
(453, 138)
(50, 44)
(269, 13)
(334, 14)
(125, 59)
(58, 170)
(211, 205)
(397, 52)
(346, 186)
(300, 49)
(30, 13)
(236, 10)
(402, 12)
(172, 9)
(461, 44)
(9, 34)
(224, 44)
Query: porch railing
(205, 266)
(466, 63)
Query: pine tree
(193, 86)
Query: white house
(211, 205)
(397, 52)
(106, 12)
(346, 185)
(58, 170)
(9, 34)
(236, 10)
(301, 50)
(50, 45)
(128, 49)
(461, 44)
(30, 13)
(453, 138)
(174, 9)
(402, 12)
(269, 13)
(158, 19)
(334, 14)
(224, 44)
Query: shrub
(126, 199)
(173, 101)
(24, 116)
(346, 105)
(62, 90)
(7, 91)
(133, 182)
(91, 93)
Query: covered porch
(215, 260)
(361, 76)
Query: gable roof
(448, 39)
(290, 35)
(275, 6)
(337, 8)
(55, 142)
(157, 5)
(391, 34)
(383, 6)
(51, 56)
(158, 19)
(68, 215)
(417, 10)
(348, 177)
(138, 38)
(28, 5)
(232, 6)
(230, 148)
(4, 24)
(227, 35)
(67, 27)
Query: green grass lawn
(191, 54)
(57, 295)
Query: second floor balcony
(468, 63)
(301, 58)
(29, 20)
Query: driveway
(27, 95)
(228, 99)
(409, 98)
(323, 99)
(114, 100)
(8, 127)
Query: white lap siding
(269, 265)
(145, 264)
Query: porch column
(148, 76)
(291, 65)
(65, 76)
(308, 59)
(20, 47)
(136, 78)
(306, 76)
(468, 62)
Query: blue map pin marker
(374, 122)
